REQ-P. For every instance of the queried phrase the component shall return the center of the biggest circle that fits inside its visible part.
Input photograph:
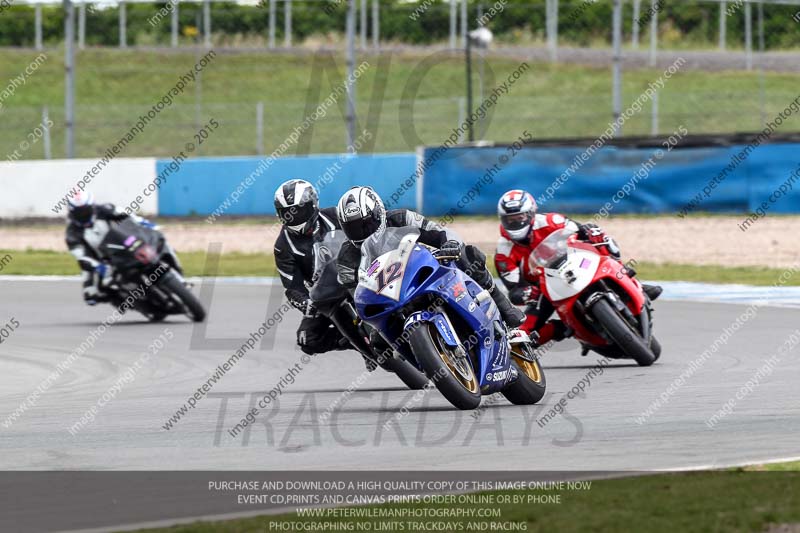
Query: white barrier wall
(34, 188)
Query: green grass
(47, 263)
(793, 466)
(114, 87)
(721, 501)
(38, 262)
(712, 274)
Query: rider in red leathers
(521, 230)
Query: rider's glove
(309, 310)
(449, 250)
(594, 235)
(304, 305)
(591, 233)
(524, 295)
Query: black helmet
(361, 213)
(81, 209)
(297, 205)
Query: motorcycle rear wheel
(530, 386)
(622, 334)
(437, 359)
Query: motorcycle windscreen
(384, 260)
(123, 241)
(325, 280)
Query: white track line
(680, 291)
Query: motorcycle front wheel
(454, 378)
(531, 384)
(622, 334)
(174, 285)
(410, 376)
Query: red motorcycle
(594, 295)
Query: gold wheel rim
(471, 383)
(531, 370)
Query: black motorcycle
(147, 272)
(336, 303)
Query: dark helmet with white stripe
(297, 205)
(361, 213)
(80, 207)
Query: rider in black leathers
(304, 223)
(87, 227)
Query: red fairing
(613, 272)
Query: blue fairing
(473, 317)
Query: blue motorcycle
(437, 317)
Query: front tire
(194, 309)
(622, 334)
(530, 386)
(655, 347)
(410, 376)
(457, 383)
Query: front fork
(643, 324)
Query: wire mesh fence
(259, 97)
(99, 127)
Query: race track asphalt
(380, 425)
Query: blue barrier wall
(675, 180)
(201, 185)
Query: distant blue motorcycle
(440, 319)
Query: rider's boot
(652, 291)
(370, 364)
(553, 330)
(511, 315)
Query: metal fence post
(351, 63)
(548, 24)
(69, 78)
(376, 25)
(654, 115)
(551, 28)
(82, 26)
(287, 23)
(272, 8)
(123, 25)
(464, 29)
(207, 23)
(653, 33)
(617, 67)
(462, 112)
(38, 26)
(363, 24)
(453, 24)
(635, 26)
(46, 133)
(260, 128)
(174, 25)
(723, 24)
(555, 30)
(748, 36)
(761, 80)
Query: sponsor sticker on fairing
(373, 267)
